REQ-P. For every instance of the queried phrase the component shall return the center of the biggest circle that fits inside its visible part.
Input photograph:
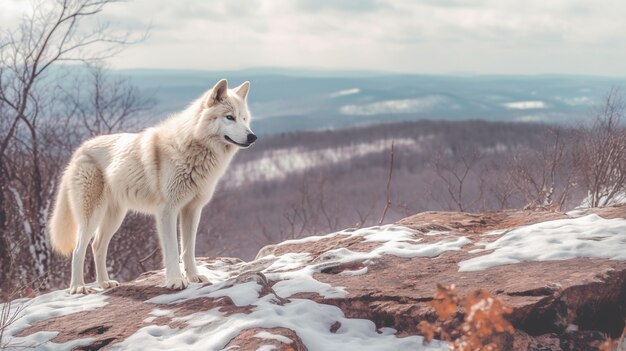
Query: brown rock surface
(546, 297)
(557, 305)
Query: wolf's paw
(81, 289)
(177, 283)
(197, 278)
(109, 284)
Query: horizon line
(353, 72)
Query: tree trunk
(5, 250)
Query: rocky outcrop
(560, 304)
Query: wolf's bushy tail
(62, 225)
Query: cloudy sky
(422, 36)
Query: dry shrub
(614, 344)
(483, 319)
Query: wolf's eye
(230, 117)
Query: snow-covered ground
(399, 106)
(588, 236)
(294, 274)
(50, 305)
(244, 283)
(604, 201)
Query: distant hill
(284, 100)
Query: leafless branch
(388, 189)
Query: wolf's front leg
(189, 219)
(166, 227)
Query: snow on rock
(212, 330)
(28, 312)
(589, 236)
(293, 274)
(363, 289)
(154, 314)
(267, 335)
(354, 272)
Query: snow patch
(589, 236)
(525, 105)
(437, 232)
(278, 164)
(604, 200)
(420, 104)
(575, 213)
(242, 294)
(495, 232)
(538, 117)
(345, 92)
(155, 313)
(212, 330)
(576, 101)
(293, 273)
(268, 335)
(50, 305)
(355, 272)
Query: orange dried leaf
(445, 301)
(609, 345)
(428, 330)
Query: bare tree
(544, 177)
(454, 173)
(601, 153)
(10, 313)
(364, 214)
(299, 215)
(388, 188)
(501, 186)
(104, 104)
(53, 32)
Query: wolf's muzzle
(251, 138)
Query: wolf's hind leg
(110, 223)
(77, 284)
(86, 197)
(189, 219)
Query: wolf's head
(225, 115)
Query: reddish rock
(557, 305)
(546, 297)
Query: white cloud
(12, 11)
(490, 36)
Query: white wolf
(170, 171)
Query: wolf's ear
(218, 93)
(243, 89)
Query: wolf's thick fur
(170, 171)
